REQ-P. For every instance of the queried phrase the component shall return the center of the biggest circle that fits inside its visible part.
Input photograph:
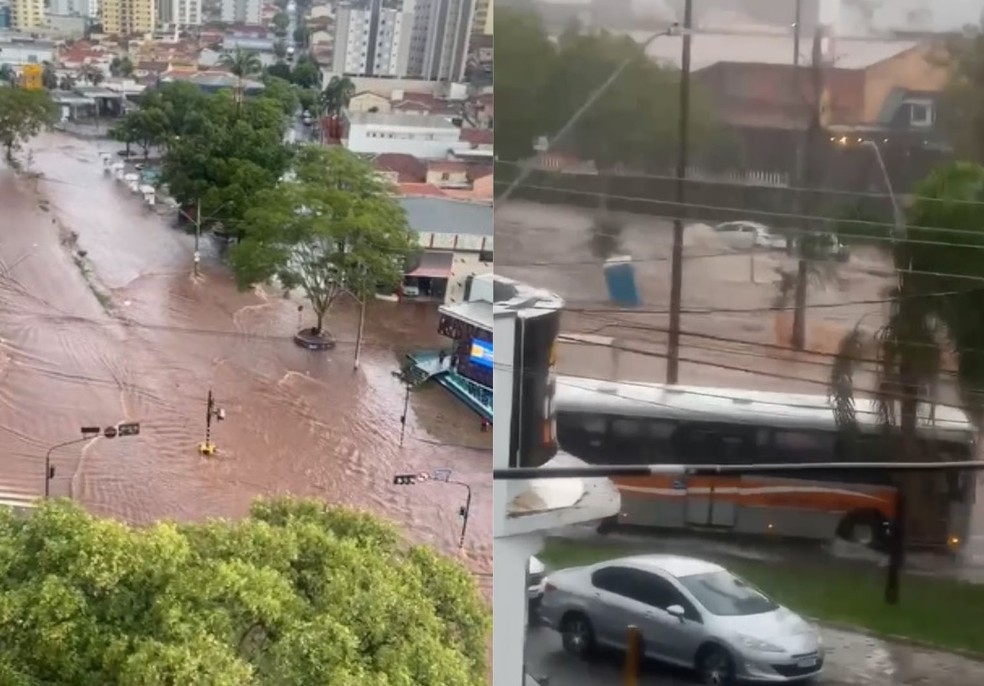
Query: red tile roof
(407, 167)
(422, 189)
(477, 136)
(448, 166)
(425, 102)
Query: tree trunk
(321, 320)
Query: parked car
(745, 235)
(691, 613)
(535, 573)
(828, 246)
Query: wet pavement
(852, 660)
(126, 333)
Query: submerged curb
(898, 639)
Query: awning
(434, 265)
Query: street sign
(441, 474)
(405, 479)
(109, 432)
(91, 431)
(128, 429)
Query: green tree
(282, 92)
(281, 21)
(92, 74)
(281, 70)
(7, 74)
(183, 104)
(933, 313)
(301, 36)
(337, 95)
(962, 104)
(280, 49)
(121, 67)
(23, 114)
(67, 83)
(243, 64)
(524, 61)
(145, 127)
(306, 73)
(297, 593)
(333, 227)
(230, 152)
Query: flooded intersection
(101, 321)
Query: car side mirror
(677, 611)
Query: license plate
(809, 662)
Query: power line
(739, 184)
(773, 213)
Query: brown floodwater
(128, 334)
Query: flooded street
(127, 334)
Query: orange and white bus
(604, 422)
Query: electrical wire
(772, 213)
(738, 184)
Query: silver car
(690, 613)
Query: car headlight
(760, 646)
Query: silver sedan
(690, 613)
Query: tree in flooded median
(23, 114)
(296, 593)
(144, 127)
(331, 226)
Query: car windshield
(724, 594)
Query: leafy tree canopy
(232, 151)
(298, 593)
(282, 91)
(306, 73)
(333, 226)
(23, 114)
(962, 104)
(544, 83)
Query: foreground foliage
(23, 114)
(296, 594)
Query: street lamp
(441, 476)
(673, 30)
(197, 221)
(88, 433)
(211, 410)
(897, 216)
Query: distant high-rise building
(441, 39)
(375, 40)
(241, 11)
(179, 13)
(128, 17)
(77, 8)
(482, 22)
(26, 14)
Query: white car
(746, 235)
(535, 574)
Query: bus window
(717, 444)
(628, 440)
(582, 435)
(803, 446)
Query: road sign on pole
(128, 429)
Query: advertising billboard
(481, 353)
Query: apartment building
(441, 39)
(179, 13)
(374, 40)
(242, 12)
(482, 21)
(128, 17)
(27, 14)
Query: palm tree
(242, 64)
(934, 316)
(337, 95)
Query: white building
(242, 11)
(423, 136)
(69, 8)
(374, 41)
(179, 13)
(526, 322)
(441, 39)
(27, 14)
(16, 51)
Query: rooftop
(442, 215)
(408, 168)
(423, 121)
(708, 49)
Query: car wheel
(715, 667)
(577, 635)
(864, 528)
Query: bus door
(714, 500)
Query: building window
(920, 113)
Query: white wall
(464, 265)
(407, 140)
(19, 54)
(510, 558)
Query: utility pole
(211, 410)
(198, 234)
(807, 178)
(676, 273)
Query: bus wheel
(866, 527)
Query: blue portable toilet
(620, 277)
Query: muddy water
(127, 334)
